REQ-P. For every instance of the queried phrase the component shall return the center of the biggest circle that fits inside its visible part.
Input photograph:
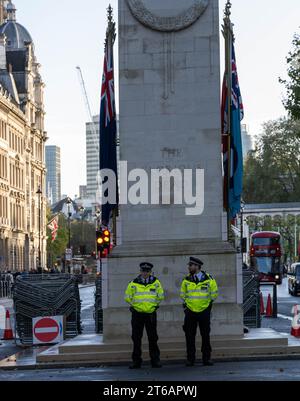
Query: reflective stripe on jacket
(198, 295)
(144, 298)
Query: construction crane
(88, 109)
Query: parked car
(294, 279)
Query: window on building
(5, 167)
(32, 181)
(33, 216)
(22, 179)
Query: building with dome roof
(22, 148)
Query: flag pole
(228, 36)
(115, 226)
(110, 40)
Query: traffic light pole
(100, 263)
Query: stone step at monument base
(91, 349)
(166, 355)
(94, 343)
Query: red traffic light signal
(103, 241)
(106, 239)
(99, 241)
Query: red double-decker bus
(266, 255)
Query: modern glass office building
(53, 177)
(92, 156)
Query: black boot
(207, 362)
(135, 365)
(189, 363)
(156, 364)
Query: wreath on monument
(167, 24)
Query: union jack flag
(53, 226)
(232, 192)
(108, 86)
(108, 128)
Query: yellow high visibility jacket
(144, 298)
(197, 296)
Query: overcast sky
(68, 33)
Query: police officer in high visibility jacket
(144, 295)
(198, 291)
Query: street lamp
(68, 202)
(39, 193)
(69, 218)
(81, 211)
(97, 215)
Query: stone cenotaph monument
(169, 66)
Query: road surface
(223, 371)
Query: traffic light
(106, 239)
(103, 242)
(99, 241)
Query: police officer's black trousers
(191, 321)
(138, 322)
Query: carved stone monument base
(170, 266)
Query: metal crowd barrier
(251, 299)
(5, 289)
(46, 295)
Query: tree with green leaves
(272, 172)
(83, 234)
(292, 100)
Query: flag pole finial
(111, 25)
(228, 25)
(227, 11)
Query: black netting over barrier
(46, 295)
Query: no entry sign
(47, 329)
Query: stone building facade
(22, 148)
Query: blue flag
(234, 192)
(108, 127)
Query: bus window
(265, 241)
(263, 265)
